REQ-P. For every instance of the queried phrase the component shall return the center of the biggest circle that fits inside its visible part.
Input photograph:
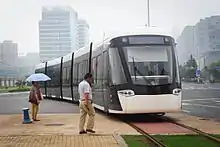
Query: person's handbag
(32, 99)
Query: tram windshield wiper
(136, 70)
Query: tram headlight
(126, 93)
(167, 40)
(124, 40)
(176, 91)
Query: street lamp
(148, 14)
(148, 7)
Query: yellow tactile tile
(58, 141)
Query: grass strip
(171, 141)
(14, 89)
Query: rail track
(204, 134)
(147, 136)
(158, 143)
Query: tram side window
(56, 75)
(105, 67)
(75, 75)
(64, 76)
(80, 72)
(94, 69)
(86, 67)
(68, 74)
(99, 69)
(50, 74)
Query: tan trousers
(84, 110)
(35, 109)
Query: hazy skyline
(19, 19)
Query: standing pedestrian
(86, 107)
(35, 97)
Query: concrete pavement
(60, 130)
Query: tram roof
(140, 31)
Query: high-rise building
(83, 33)
(57, 32)
(207, 40)
(8, 59)
(8, 53)
(185, 44)
(202, 41)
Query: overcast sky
(19, 18)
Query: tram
(133, 73)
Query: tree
(213, 71)
(189, 69)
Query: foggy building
(57, 32)
(8, 53)
(27, 63)
(185, 44)
(83, 33)
(207, 32)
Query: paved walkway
(59, 141)
(60, 130)
(207, 125)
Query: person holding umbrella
(35, 95)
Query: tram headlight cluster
(126, 93)
(167, 40)
(124, 40)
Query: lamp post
(148, 12)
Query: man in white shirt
(86, 107)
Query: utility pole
(148, 12)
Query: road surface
(202, 100)
(198, 99)
(13, 104)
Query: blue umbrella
(38, 77)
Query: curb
(121, 142)
(14, 93)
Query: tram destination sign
(143, 39)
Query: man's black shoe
(82, 132)
(91, 131)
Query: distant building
(202, 41)
(185, 44)
(207, 32)
(83, 33)
(27, 63)
(57, 32)
(8, 53)
(8, 59)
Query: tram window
(99, 69)
(80, 73)
(64, 75)
(105, 68)
(56, 70)
(86, 66)
(75, 75)
(68, 75)
(94, 69)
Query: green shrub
(19, 89)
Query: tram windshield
(150, 65)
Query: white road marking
(201, 99)
(186, 111)
(201, 88)
(201, 105)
